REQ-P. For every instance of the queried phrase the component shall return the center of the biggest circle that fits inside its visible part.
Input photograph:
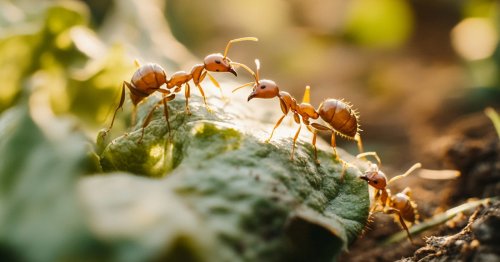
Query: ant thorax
(178, 79)
(306, 110)
(290, 102)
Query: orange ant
(150, 78)
(340, 118)
(401, 204)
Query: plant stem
(495, 118)
(437, 219)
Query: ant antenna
(256, 76)
(244, 85)
(248, 69)
(257, 64)
(373, 154)
(238, 40)
(137, 63)
(412, 168)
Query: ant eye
(262, 87)
(217, 62)
(375, 182)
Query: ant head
(222, 63)
(375, 177)
(218, 63)
(263, 88)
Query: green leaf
(56, 52)
(260, 205)
(142, 220)
(40, 218)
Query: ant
(150, 78)
(401, 205)
(340, 118)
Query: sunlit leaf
(259, 204)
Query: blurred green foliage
(55, 52)
(379, 23)
(40, 218)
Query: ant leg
(275, 126)
(344, 164)
(134, 116)
(216, 84)
(376, 198)
(150, 114)
(165, 111)
(334, 145)
(204, 97)
(202, 77)
(122, 100)
(295, 140)
(332, 139)
(314, 143)
(213, 80)
(401, 221)
(315, 148)
(187, 95)
(147, 121)
(359, 142)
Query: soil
(477, 241)
(471, 146)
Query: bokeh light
(475, 38)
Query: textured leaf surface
(213, 192)
(223, 195)
(260, 205)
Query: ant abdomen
(340, 116)
(406, 206)
(149, 77)
(146, 80)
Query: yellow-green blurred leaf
(379, 23)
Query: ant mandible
(401, 204)
(149, 78)
(340, 118)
